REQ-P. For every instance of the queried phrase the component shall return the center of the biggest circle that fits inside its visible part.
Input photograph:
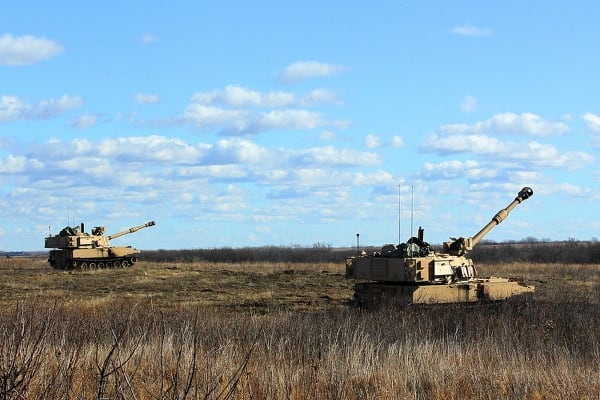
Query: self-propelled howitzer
(76, 249)
(413, 272)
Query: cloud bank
(26, 50)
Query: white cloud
(397, 141)
(24, 50)
(18, 164)
(85, 121)
(308, 69)
(161, 155)
(152, 148)
(525, 177)
(330, 155)
(238, 96)
(531, 154)
(241, 122)
(327, 135)
(510, 124)
(462, 143)
(173, 167)
(12, 108)
(237, 111)
(128, 179)
(238, 151)
(203, 116)
(592, 121)
(451, 169)
(214, 172)
(319, 96)
(572, 190)
(372, 141)
(146, 98)
(124, 150)
(470, 30)
(378, 178)
(546, 155)
(477, 139)
(310, 176)
(47, 109)
(291, 119)
(116, 162)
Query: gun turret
(131, 230)
(461, 246)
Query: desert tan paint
(80, 250)
(437, 277)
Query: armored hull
(402, 291)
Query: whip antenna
(399, 215)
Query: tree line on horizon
(529, 250)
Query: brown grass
(285, 331)
(553, 282)
(262, 286)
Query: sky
(298, 123)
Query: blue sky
(294, 123)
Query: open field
(250, 286)
(230, 286)
(286, 331)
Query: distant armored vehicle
(413, 272)
(80, 250)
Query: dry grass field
(253, 287)
(287, 331)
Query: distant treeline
(317, 253)
(530, 251)
(565, 252)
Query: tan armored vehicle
(413, 272)
(80, 250)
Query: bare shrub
(23, 336)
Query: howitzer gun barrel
(463, 245)
(131, 230)
(523, 195)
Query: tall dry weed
(140, 350)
